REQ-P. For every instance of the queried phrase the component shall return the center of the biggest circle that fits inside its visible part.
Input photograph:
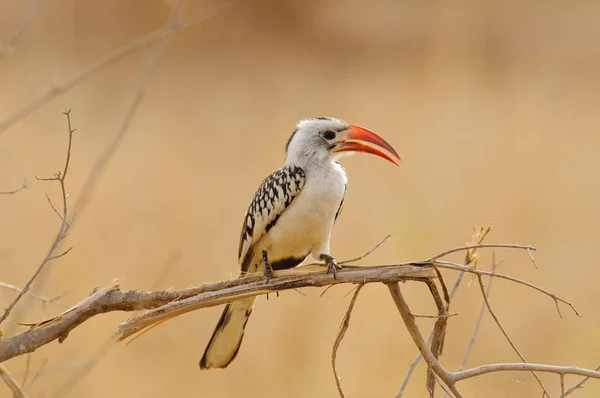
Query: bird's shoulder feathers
(273, 197)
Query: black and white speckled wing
(271, 199)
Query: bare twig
(13, 34)
(64, 225)
(439, 332)
(505, 333)
(91, 70)
(32, 295)
(531, 257)
(480, 317)
(557, 299)
(37, 374)
(579, 384)
(442, 385)
(13, 191)
(50, 201)
(525, 367)
(26, 372)
(12, 383)
(436, 316)
(352, 260)
(529, 248)
(342, 331)
(77, 375)
(91, 181)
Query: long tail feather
(227, 337)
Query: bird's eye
(329, 135)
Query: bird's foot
(331, 264)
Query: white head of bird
(324, 139)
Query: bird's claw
(331, 264)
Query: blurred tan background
(493, 106)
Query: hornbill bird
(292, 214)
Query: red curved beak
(360, 139)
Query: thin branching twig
(479, 234)
(37, 374)
(495, 265)
(13, 191)
(92, 69)
(26, 372)
(52, 300)
(523, 367)
(529, 248)
(147, 72)
(19, 26)
(342, 331)
(355, 259)
(505, 333)
(65, 224)
(579, 384)
(557, 299)
(9, 380)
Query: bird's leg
(332, 265)
(267, 270)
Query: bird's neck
(318, 168)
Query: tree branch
(164, 305)
(168, 304)
(439, 331)
(413, 330)
(258, 286)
